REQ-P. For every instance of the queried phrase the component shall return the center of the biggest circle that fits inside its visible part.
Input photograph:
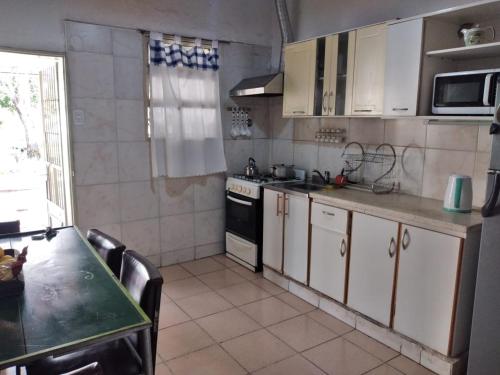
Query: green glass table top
(70, 299)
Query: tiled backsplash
(168, 220)
(435, 151)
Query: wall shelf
(466, 53)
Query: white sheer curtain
(186, 132)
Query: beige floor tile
(175, 272)
(243, 293)
(200, 266)
(339, 356)
(257, 349)
(185, 288)
(384, 370)
(372, 346)
(221, 258)
(296, 365)
(246, 273)
(296, 302)
(210, 361)
(203, 304)
(221, 279)
(165, 298)
(181, 339)
(269, 311)
(269, 286)
(302, 332)
(171, 314)
(408, 367)
(329, 321)
(228, 324)
(162, 369)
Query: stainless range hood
(272, 84)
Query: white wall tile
(262, 154)
(404, 132)
(83, 37)
(282, 128)
(95, 163)
(479, 179)
(138, 200)
(484, 139)
(276, 278)
(97, 205)
(304, 293)
(142, 236)
(134, 161)
(305, 129)
(452, 137)
(177, 256)
(411, 169)
(176, 195)
(366, 130)
(237, 153)
(209, 227)
(439, 165)
(127, 43)
(155, 259)
(99, 125)
(210, 249)
(305, 156)
(177, 232)
(330, 158)
(90, 75)
(209, 192)
(282, 152)
(129, 80)
(130, 121)
(337, 311)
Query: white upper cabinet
(372, 266)
(427, 277)
(369, 70)
(300, 74)
(272, 243)
(296, 241)
(330, 75)
(402, 68)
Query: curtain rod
(190, 38)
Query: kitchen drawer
(330, 218)
(242, 249)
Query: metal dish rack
(376, 171)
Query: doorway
(35, 180)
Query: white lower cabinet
(296, 241)
(427, 278)
(372, 266)
(329, 250)
(272, 241)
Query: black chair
(109, 249)
(7, 227)
(92, 369)
(144, 282)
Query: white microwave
(465, 93)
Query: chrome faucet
(325, 178)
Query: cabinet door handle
(324, 100)
(363, 110)
(399, 109)
(343, 248)
(278, 212)
(392, 248)
(328, 213)
(330, 108)
(286, 207)
(406, 239)
(302, 112)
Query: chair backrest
(7, 227)
(143, 281)
(109, 248)
(91, 369)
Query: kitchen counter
(408, 209)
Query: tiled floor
(219, 318)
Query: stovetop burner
(262, 178)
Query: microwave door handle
(487, 89)
(489, 207)
(240, 201)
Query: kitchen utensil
(341, 179)
(474, 34)
(458, 196)
(251, 169)
(282, 171)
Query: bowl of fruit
(11, 276)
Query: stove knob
(239, 189)
(246, 190)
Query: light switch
(78, 117)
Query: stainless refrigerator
(484, 351)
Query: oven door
(463, 94)
(242, 216)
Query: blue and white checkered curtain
(175, 54)
(186, 131)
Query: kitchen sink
(306, 187)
